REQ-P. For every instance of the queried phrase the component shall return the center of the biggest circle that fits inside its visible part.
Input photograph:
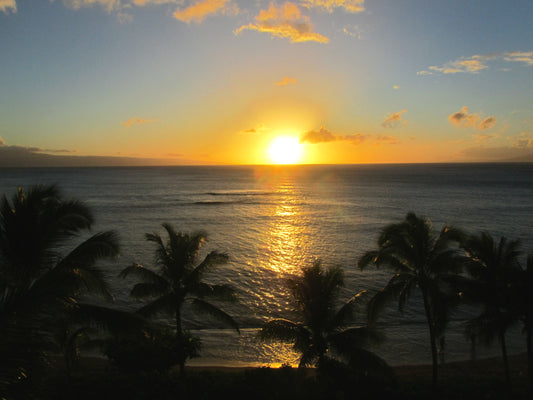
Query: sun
(285, 150)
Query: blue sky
(217, 81)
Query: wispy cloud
(464, 119)
(108, 5)
(353, 31)
(8, 5)
(198, 11)
(137, 121)
(523, 141)
(324, 135)
(386, 139)
(142, 3)
(352, 6)
(484, 137)
(287, 81)
(258, 129)
(479, 62)
(285, 21)
(394, 120)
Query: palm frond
(349, 340)
(222, 292)
(213, 259)
(212, 310)
(367, 259)
(110, 319)
(146, 275)
(345, 313)
(282, 330)
(399, 286)
(148, 289)
(167, 303)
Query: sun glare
(285, 150)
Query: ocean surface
(273, 220)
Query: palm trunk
(529, 334)
(432, 339)
(505, 359)
(179, 338)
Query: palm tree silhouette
(179, 280)
(422, 260)
(38, 284)
(522, 290)
(493, 266)
(323, 330)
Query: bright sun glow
(285, 150)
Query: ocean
(272, 220)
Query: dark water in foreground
(273, 220)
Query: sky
(221, 81)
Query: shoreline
(489, 365)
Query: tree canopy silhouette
(39, 282)
(421, 260)
(179, 280)
(493, 266)
(323, 331)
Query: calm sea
(273, 220)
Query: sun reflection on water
(287, 235)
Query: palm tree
(38, 284)
(323, 331)
(522, 289)
(421, 260)
(179, 280)
(493, 266)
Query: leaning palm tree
(38, 282)
(493, 265)
(179, 281)
(421, 260)
(323, 332)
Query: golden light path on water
(288, 239)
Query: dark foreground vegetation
(481, 379)
(55, 303)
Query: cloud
(385, 139)
(285, 21)
(394, 120)
(523, 141)
(198, 11)
(259, 129)
(479, 62)
(353, 31)
(324, 135)
(525, 57)
(320, 136)
(137, 121)
(462, 119)
(287, 81)
(352, 6)
(487, 123)
(8, 5)
(484, 137)
(108, 5)
(142, 3)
